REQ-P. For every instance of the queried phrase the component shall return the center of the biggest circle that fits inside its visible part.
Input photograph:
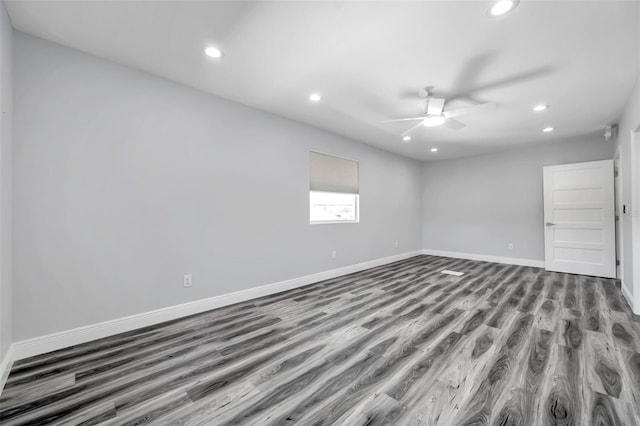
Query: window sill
(329, 222)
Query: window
(333, 207)
(333, 189)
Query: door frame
(619, 223)
(635, 216)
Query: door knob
(550, 223)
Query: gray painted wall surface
(124, 182)
(129, 181)
(6, 106)
(478, 205)
(629, 122)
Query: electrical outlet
(187, 280)
(334, 254)
(397, 244)
(510, 246)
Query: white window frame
(325, 222)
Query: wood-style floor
(400, 344)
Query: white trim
(43, 344)
(619, 223)
(627, 295)
(635, 218)
(5, 366)
(486, 258)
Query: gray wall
(478, 205)
(6, 106)
(630, 122)
(124, 182)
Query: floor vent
(457, 274)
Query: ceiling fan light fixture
(315, 97)
(540, 107)
(433, 121)
(213, 52)
(502, 7)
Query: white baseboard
(43, 344)
(627, 295)
(485, 258)
(5, 366)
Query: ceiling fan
(435, 115)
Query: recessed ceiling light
(547, 129)
(433, 121)
(434, 149)
(406, 138)
(501, 7)
(213, 52)
(315, 97)
(540, 107)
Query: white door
(579, 235)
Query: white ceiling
(368, 59)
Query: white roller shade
(332, 174)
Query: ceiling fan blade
(468, 90)
(403, 119)
(435, 106)
(454, 124)
(406, 132)
(466, 110)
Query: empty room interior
(320, 212)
